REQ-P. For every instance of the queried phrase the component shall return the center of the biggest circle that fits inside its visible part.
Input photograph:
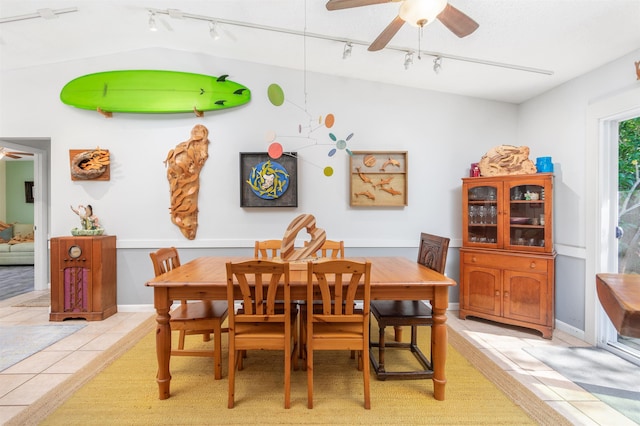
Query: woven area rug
(124, 391)
(21, 341)
(595, 369)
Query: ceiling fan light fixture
(421, 12)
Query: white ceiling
(567, 37)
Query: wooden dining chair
(203, 317)
(260, 323)
(336, 323)
(270, 249)
(414, 313)
(267, 249)
(332, 249)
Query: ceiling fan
(4, 152)
(417, 13)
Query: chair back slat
(337, 283)
(333, 249)
(267, 249)
(330, 249)
(259, 282)
(164, 259)
(433, 252)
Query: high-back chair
(267, 249)
(414, 313)
(270, 249)
(263, 322)
(203, 317)
(332, 249)
(336, 323)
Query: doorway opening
(41, 148)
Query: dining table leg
(163, 340)
(439, 308)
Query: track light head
(213, 30)
(408, 60)
(152, 22)
(437, 64)
(346, 53)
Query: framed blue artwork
(268, 182)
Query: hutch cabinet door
(482, 290)
(526, 297)
(481, 214)
(528, 218)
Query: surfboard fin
(107, 114)
(220, 102)
(197, 112)
(239, 91)
(222, 78)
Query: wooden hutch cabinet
(507, 260)
(83, 278)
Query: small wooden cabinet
(507, 261)
(83, 277)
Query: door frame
(601, 217)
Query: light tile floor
(25, 382)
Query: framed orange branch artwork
(378, 178)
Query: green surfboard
(153, 91)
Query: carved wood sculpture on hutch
(507, 260)
(83, 277)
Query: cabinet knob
(497, 293)
(533, 265)
(473, 259)
(506, 294)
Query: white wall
(442, 134)
(556, 123)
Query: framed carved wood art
(268, 182)
(378, 178)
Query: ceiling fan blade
(387, 34)
(347, 4)
(459, 23)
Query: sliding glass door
(628, 218)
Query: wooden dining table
(392, 278)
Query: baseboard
(566, 328)
(136, 308)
